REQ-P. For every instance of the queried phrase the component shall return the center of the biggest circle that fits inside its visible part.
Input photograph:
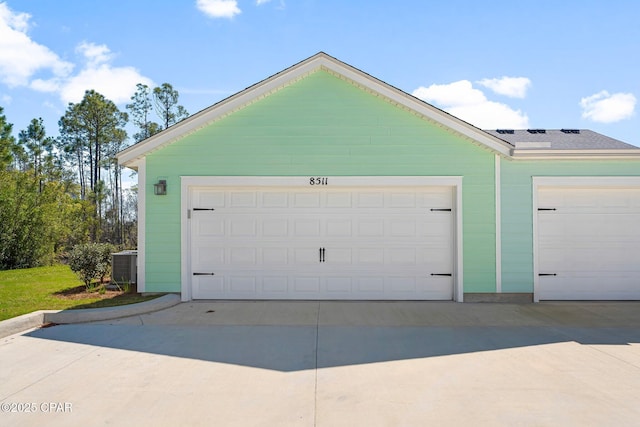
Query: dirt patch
(81, 293)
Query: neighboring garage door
(320, 243)
(588, 243)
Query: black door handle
(321, 254)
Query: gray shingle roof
(560, 139)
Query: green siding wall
(321, 125)
(517, 205)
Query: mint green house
(322, 182)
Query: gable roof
(492, 140)
(319, 61)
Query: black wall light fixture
(160, 188)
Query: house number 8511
(319, 181)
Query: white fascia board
(294, 73)
(533, 154)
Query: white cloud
(514, 87)
(464, 101)
(452, 94)
(21, 57)
(94, 54)
(6, 99)
(604, 107)
(219, 8)
(116, 83)
(259, 2)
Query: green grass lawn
(52, 288)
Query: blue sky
(497, 64)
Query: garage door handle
(321, 254)
(441, 274)
(204, 274)
(547, 274)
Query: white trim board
(498, 208)
(189, 182)
(142, 221)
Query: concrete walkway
(331, 364)
(38, 318)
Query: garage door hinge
(440, 210)
(198, 209)
(547, 209)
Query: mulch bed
(80, 292)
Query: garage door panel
(338, 256)
(275, 227)
(339, 285)
(209, 198)
(580, 286)
(243, 199)
(369, 285)
(339, 200)
(339, 228)
(304, 256)
(307, 285)
(208, 256)
(371, 256)
(275, 199)
(275, 286)
(402, 228)
(370, 200)
(371, 227)
(241, 257)
(275, 257)
(306, 228)
(242, 284)
(323, 244)
(402, 256)
(242, 227)
(591, 242)
(402, 200)
(306, 200)
(206, 287)
(437, 288)
(208, 226)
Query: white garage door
(312, 243)
(588, 244)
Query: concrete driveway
(331, 364)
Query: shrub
(91, 261)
